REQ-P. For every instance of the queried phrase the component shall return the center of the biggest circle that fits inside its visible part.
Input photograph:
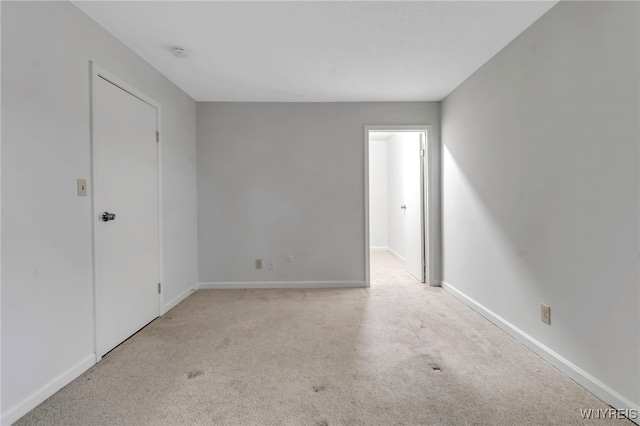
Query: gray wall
(541, 192)
(47, 293)
(287, 179)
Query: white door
(413, 205)
(126, 185)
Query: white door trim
(98, 72)
(430, 198)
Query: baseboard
(281, 284)
(179, 298)
(595, 386)
(47, 390)
(393, 252)
(378, 248)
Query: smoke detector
(180, 52)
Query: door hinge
(159, 288)
(421, 153)
(157, 136)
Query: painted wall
(400, 151)
(541, 192)
(47, 294)
(287, 179)
(395, 186)
(378, 223)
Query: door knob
(106, 216)
(403, 207)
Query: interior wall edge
(393, 252)
(179, 298)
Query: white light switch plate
(82, 187)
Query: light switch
(82, 187)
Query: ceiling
(316, 51)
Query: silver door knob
(106, 216)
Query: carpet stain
(225, 342)
(194, 373)
(322, 422)
(320, 388)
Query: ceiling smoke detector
(180, 52)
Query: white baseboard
(13, 414)
(595, 386)
(282, 284)
(378, 248)
(179, 298)
(393, 252)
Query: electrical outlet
(272, 264)
(258, 263)
(545, 314)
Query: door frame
(97, 72)
(428, 196)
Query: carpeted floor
(398, 353)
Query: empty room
(320, 213)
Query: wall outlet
(545, 314)
(272, 264)
(258, 263)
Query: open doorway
(397, 197)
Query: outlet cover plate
(545, 314)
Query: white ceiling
(316, 51)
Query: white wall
(378, 204)
(398, 150)
(541, 192)
(287, 179)
(395, 186)
(0, 222)
(47, 314)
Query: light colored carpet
(397, 354)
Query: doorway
(397, 170)
(126, 213)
